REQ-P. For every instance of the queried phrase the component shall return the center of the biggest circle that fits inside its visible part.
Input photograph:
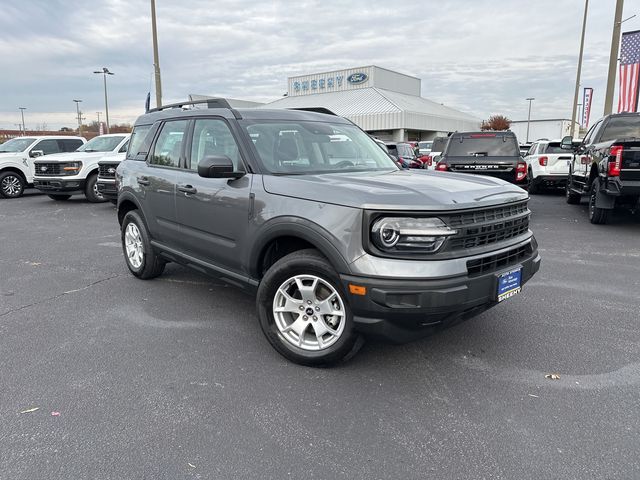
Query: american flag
(629, 70)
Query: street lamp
(574, 106)
(105, 71)
(530, 99)
(22, 109)
(79, 117)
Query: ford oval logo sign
(356, 78)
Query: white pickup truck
(63, 175)
(17, 156)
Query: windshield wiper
(89, 150)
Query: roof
(392, 109)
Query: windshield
(16, 145)
(101, 144)
(620, 127)
(425, 145)
(405, 150)
(292, 147)
(483, 145)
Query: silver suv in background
(334, 239)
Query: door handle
(143, 181)
(188, 189)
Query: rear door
(484, 153)
(157, 182)
(557, 159)
(213, 213)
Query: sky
(483, 57)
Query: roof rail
(211, 103)
(315, 109)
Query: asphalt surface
(172, 378)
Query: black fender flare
(291, 226)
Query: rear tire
(59, 198)
(572, 197)
(91, 190)
(304, 311)
(11, 185)
(597, 216)
(141, 260)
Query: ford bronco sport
(305, 210)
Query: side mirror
(36, 153)
(217, 166)
(567, 143)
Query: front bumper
(404, 310)
(107, 187)
(68, 186)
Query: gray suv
(305, 210)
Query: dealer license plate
(509, 284)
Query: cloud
(480, 56)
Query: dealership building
(385, 103)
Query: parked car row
(60, 166)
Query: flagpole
(577, 91)
(613, 58)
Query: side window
(69, 145)
(212, 137)
(166, 151)
(137, 143)
(532, 149)
(123, 148)
(47, 146)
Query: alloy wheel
(11, 185)
(133, 245)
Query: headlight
(72, 167)
(405, 234)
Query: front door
(213, 212)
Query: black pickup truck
(606, 166)
(485, 153)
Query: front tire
(571, 197)
(304, 312)
(533, 186)
(141, 260)
(91, 190)
(11, 185)
(597, 216)
(59, 198)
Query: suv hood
(399, 190)
(72, 156)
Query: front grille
(45, 169)
(485, 227)
(103, 170)
(496, 262)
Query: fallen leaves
(552, 376)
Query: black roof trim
(315, 109)
(211, 103)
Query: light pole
(156, 59)
(105, 71)
(575, 96)
(530, 99)
(22, 109)
(79, 117)
(613, 58)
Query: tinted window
(137, 140)
(621, 127)
(553, 147)
(47, 146)
(212, 137)
(483, 145)
(439, 144)
(123, 148)
(589, 136)
(69, 145)
(169, 144)
(405, 150)
(393, 149)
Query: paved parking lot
(172, 378)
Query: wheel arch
(16, 170)
(287, 236)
